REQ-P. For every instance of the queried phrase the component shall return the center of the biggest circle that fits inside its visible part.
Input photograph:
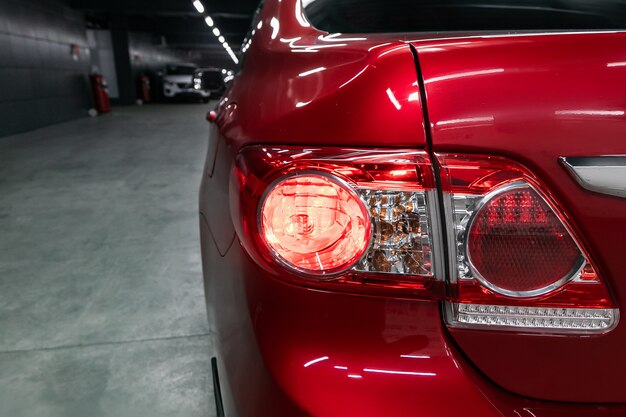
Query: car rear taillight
(369, 221)
(516, 263)
(356, 220)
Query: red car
(419, 209)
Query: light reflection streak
(399, 172)
(472, 120)
(343, 368)
(314, 361)
(291, 41)
(530, 412)
(393, 99)
(392, 50)
(435, 45)
(302, 103)
(275, 24)
(386, 371)
(431, 49)
(332, 38)
(414, 97)
(464, 75)
(355, 376)
(355, 77)
(313, 71)
(307, 48)
(591, 113)
(300, 16)
(319, 261)
(616, 64)
(415, 356)
(298, 155)
(378, 46)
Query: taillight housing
(363, 221)
(373, 222)
(516, 262)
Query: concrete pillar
(123, 67)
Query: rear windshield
(384, 16)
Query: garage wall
(40, 82)
(147, 55)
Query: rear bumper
(284, 350)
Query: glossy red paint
(534, 99)
(287, 350)
(385, 356)
(307, 86)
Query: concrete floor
(101, 299)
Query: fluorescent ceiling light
(199, 6)
(216, 31)
(221, 39)
(209, 21)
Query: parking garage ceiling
(176, 23)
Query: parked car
(210, 80)
(178, 83)
(418, 209)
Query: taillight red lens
(518, 246)
(315, 224)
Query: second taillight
(516, 264)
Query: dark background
(42, 83)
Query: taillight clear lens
(315, 224)
(582, 320)
(515, 262)
(346, 219)
(401, 242)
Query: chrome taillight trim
(600, 174)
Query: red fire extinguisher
(100, 93)
(144, 88)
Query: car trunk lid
(536, 98)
